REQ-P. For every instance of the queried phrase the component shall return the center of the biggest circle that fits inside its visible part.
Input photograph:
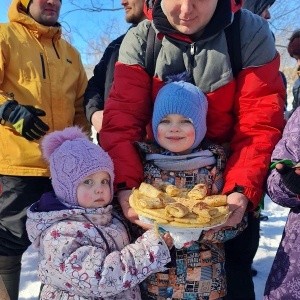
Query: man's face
(133, 10)
(189, 16)
(45, 12)
(266, 13)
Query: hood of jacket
(222, 18)
(49, 210)
(257, 6)
(16, 14)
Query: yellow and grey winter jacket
(38, 68)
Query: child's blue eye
(88, 181)
(105, 181)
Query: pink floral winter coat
(85, 253)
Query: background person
(100, 83)
(294, 51)
(84, 249)
(259, 7)
(241, 251)
(42, 82)
(284, 189)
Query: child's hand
(290, 176)
(168, 240)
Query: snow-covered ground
(269, 241)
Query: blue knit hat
(185, 99)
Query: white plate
(183, 236)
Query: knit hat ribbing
(185, 99)
(72, 157)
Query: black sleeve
(95, 93)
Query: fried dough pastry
(176, 209)
(199, 191)
(168, 188)
(181, 210)
(149, 190)
(215, 200)
(147, 202)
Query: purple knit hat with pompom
(72, 157)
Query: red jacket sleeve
(258, 109)
(127, 112)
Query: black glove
(290, 179)
(24, 118)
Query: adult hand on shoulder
(129, 213)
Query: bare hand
(237, 203)
(96, 119)
(168, 240)
(129, 213)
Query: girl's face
(176, 133)
(94, 190)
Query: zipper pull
(193, 49)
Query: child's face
(176, 133)
(94, 191)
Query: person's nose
(268, 15)
(174, 127)
(123, 2)
(53, 2)
(186, 7)
(98, 189)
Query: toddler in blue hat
(182, 156)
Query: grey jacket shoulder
(257, 41)
(133, 47)
(257, 49)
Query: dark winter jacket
(284, 281)
(99, 85)
(246, 112)
(296, 94)
(257, 6)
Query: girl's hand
(168, 240)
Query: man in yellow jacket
(42, 82)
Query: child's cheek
(159, 133)
(86, 196)
(190, 133)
